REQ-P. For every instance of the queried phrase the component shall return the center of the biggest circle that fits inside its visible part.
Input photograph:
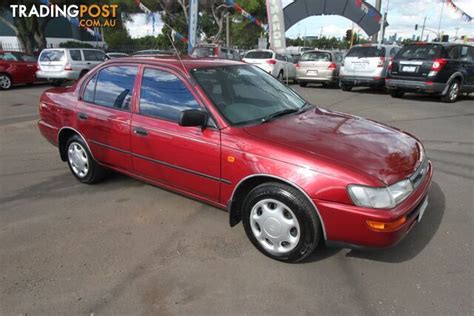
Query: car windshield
(244, 94)
(259, 55)
(203, 52)
(316, 56)
(430, 51)
(366, 51)
(52, 55)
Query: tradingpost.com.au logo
(86, 15)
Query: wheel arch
(454, 76)
(246, 185)
(63, 135)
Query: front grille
(420, 173)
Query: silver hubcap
(78, 159)
(5, 82)
(453, 94)
(275, 226)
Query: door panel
(187, 158)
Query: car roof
(173, 62)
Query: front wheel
(397, 93)
(81, 163)
(5, 82)
(345, 87)
(281, 222)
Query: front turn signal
(386, 226)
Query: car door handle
(140, 131)
(82, 116)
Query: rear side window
(366, 51)
(28, 58)
(316, 56)
(52, 55)
(259, 55)
(9, 57)
(464, 53)
(114, 86)
(92, 55)
(75, 54)
(164, 95)
(420, 52)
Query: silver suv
(60, 64)
(366, 65)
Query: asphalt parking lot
(124, 247)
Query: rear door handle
(140, 131)
(82, 116)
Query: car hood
(378, 150)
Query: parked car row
(444, 69)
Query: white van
(60, 64)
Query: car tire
(453, 92)
(346, 87)
(397, 93)
(303, 84)
(57, 83)
(281, 210)
(5, 81)
(81, 163)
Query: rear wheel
(81, 163)
(397, 93)
(346, 87)
(453, 92)
(281, 222)
(5, 81)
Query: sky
(402, 17)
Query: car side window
(394, 51)
(89, 90)
(464, 53)
(100, 56)
(75, 54)
(453, 52)
(28, 58)
(90, 55)
(164, 95)
(9, 57)
(114, 86)
(471, 54)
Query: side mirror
(193, 117)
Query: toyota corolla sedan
(232, 136)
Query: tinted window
(9, 56)
(28, 58)
(90, 90)
(203, 52)
(114, 86)
(52, 55)
(75, 54)
(366, 51)
(430, 51)
(464, 53)
(100, 56)
(90, 55)
(394, 51)
(316, 56)
(164, 95)
(259, 55)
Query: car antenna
(177, 55)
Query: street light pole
(439, 24)
(227, 31)
(423, 29)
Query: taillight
(271, 61)
(298, 65)
(216, 51)
(390, 64)
(438, 64)
(68, 67)
(332, 66)
(381, 62)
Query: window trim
(187, 84)
(96, 73)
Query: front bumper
(363, 81)
(58, 75)
(347, 224)
(415, 86)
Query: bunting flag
(368, 10)
(246, 15)
(151, 15)
(466, 17)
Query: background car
(16, 68)
(437, 68)
(60, 64)
(318, 66)
(277, 65)
(366, 65)
(116, 55)
(215, 51)
(156, 52)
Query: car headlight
(387, 197)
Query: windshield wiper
(278, 114)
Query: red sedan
(230, 135)
(16, 68)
